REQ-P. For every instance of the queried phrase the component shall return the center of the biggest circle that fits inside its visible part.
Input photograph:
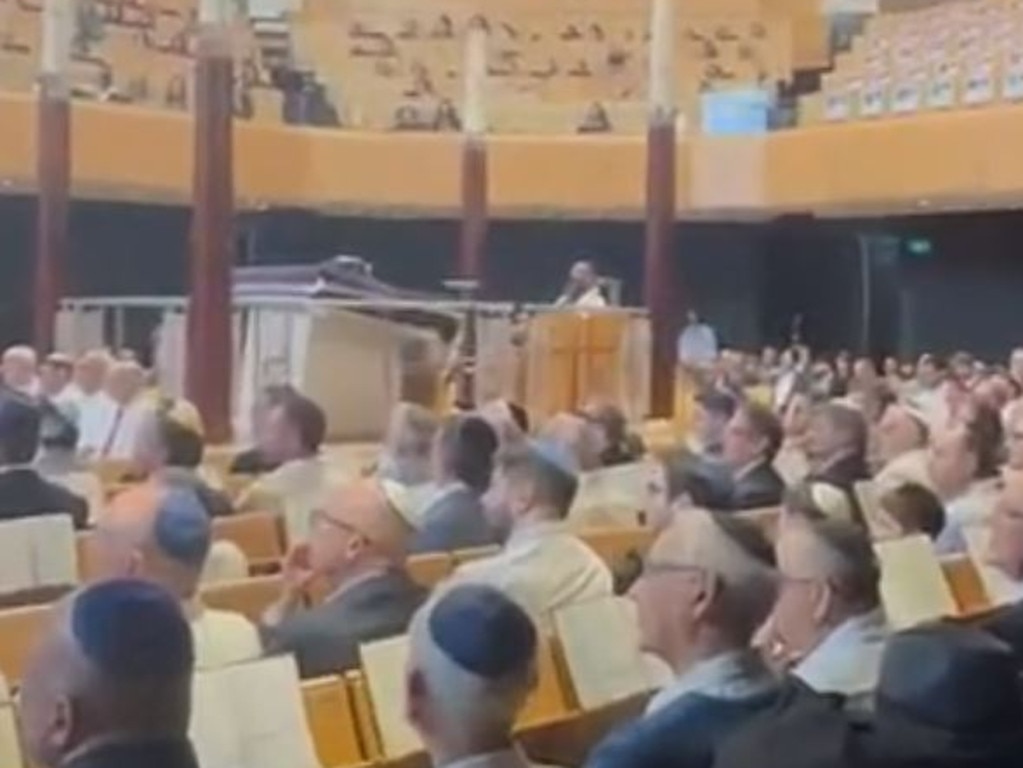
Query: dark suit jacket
(139, 754)
(454, 521)
(326, 639)
(24, 493)
(685, 734)
(251, 462)
(760, 487)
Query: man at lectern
(582, 288)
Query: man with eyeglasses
(708, 583)
(829, 613)
(357, 546)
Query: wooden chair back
(476, 553)
(615, 545)
(20, 632)
(548, 702)
(249, 597)
(965, 582)
(364, 718)
(430, 570)
(331, 718)
(258, 534)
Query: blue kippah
(132, 629)
(182, 528)
(554, 453)
(483, 631)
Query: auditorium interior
(380, 350)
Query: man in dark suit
(109, 685)
(836, 448)
(23, 492)
(708, 583)
(357, 546)
(463, 460)
(752, 439)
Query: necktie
(109, 444)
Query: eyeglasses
(320, 519)
(660, 568)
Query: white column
(474, 121)
(58, 27)
(661, 96)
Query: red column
(473, 238)
(53, 169)
(661, 290)
(210, 347)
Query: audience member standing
(90, 397)
(23, 492)
(109, 684)
(453, 517)
(543, 566)
(472, 666)
(582, 288)
(408, 446)
(19, 371)
(698, 343)
(751, 442)
(112, 433)
(708, 583)
(357, 547)
(163, 535)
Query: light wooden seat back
(463, 556)
(112, 472)
(615, 545)
(429, 570)
(249, 597)
(257, 534)
(362, 708)
(766, 518)
(548, 701)
(20, 632)
(965, 582)
(332, 722)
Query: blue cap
(483, 631)
(182, 528)
(131, 629)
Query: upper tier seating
(962, 54)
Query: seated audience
(92, 402)
(110, 432)
(708, 583)
(58, 442)
(751, 442)
(836, 448)
(472, 666)
(291, 438)
(577, 438)
(357, 547)
(55, 376)
(1014, 438)
(902, 436)
(829, 614)
(1004, 560)
(948, 697)
(167, 447)
(619, 447)
(686, 481)
(109, 683)
(252, 461)
(19, 371)
(453, 516)
(714, 409)
(965, 473)
(791, 462)
(408, 446)
(929, 390)
(23, 492)
(163, 535)
(542, 566)
(913, 509)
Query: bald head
(19, 365)
(161, 533)
(115, 663)
(91, 370)
(125, 381)
(900, 431)
(361, 528)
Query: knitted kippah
(182, 529)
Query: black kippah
(483, 631)
(132, 629)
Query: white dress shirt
(297, 488)
(222, 638)
(591, 299)
(848, 661)
(697, 345)
(910, 467)
(543, 567)
(1002, 589)
(109, 430)
(969, 509)
(733, 676)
